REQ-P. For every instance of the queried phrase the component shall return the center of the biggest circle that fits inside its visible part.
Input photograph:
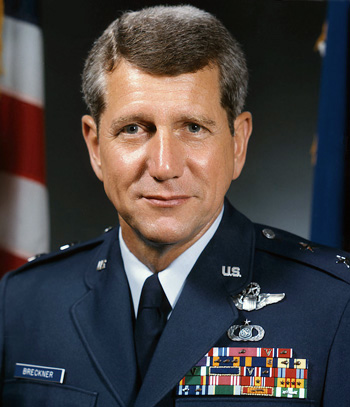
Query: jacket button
(268, 233)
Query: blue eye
(131, 129)
(194, 128)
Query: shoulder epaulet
(332, 261)
(64, 251)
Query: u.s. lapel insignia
(250, 298)
(246, 332)
(229, 271)
(101, 265)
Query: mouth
(163, 201)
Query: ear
(243, 126)
(89, 129)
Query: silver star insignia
(343, 260)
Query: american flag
(24, 225)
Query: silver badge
(250, 298)
(246, 332)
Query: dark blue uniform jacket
(60, 311)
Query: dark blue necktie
(152, 315)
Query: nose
(166, 156)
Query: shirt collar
(173, 277)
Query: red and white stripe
(224, 380)
(24, 217)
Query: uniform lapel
(104, 320)
(204, 310)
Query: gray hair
(168, 41)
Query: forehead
(128, 87)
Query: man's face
(165, 152)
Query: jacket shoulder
(334, 262)
(65, 253)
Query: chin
(161, 239)
(165, 236)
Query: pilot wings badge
(250, 298)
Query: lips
(166, 201)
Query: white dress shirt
(173, 277)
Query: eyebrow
(198, 118)
(124, 120)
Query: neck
(156, 256)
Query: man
(246, 315)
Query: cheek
(120, 167)
(211, 174)
(222, 170)
(217, 163)
(228, 156)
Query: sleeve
(337, 384)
